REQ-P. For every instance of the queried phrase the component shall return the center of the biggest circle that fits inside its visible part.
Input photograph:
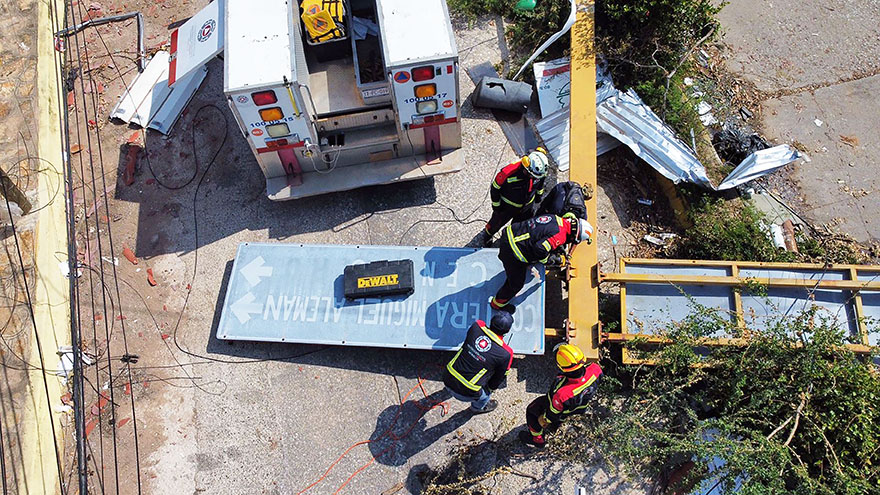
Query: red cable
(395, 438)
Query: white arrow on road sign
(255, 271)
(245, 307)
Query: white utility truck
(333, 95)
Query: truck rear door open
(197, 41)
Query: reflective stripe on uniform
(511, 203)
(492, 335)
(477, 377)
(584, 386)
(513, 240)
(547, 246)
(553, 409)
(450, 368)
(498, 304)
(496, 204)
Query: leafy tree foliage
(795, 411)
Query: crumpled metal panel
(554, 130)
(758, 164)
(294, 293)
(628, 119)
(149, 102)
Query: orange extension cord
(394, 437)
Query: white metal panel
(258, 51)
(163, 120)
(141, 90)
(197, 41)
(414, 30)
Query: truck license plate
(370, 93)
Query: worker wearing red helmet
(542, 239)
(570, 394)
(516, 192)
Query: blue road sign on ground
(294, 293)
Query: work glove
(556, 260)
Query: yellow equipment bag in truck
(323, 19)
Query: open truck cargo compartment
(295, 293)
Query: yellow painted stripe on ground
(51, 311)
(583, 302)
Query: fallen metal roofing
(758, 164)
(625, 117)
(149, 102)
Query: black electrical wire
(455, 217)
(156, 177)
(104, 293)
(110, 247)
(98, 470)
(37, 340)
(167, 345)
(77, 381)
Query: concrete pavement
(818, 64)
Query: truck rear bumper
(366, 174)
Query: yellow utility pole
(583, 297)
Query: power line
(37, 340)
(99, 472)
(111, 247)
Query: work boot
(510, 308)
(527, 438)
(489, 407)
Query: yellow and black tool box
(378, 279)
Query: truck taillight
(429, 106)
(264, 97)
(423, 73)
(425, 90)
(277, 130)
(270, 114)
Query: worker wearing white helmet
(542, 239)
(516, 192)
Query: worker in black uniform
(566, 199)
(516, 192)
(570, 394)
(542, 239)
(481, 365)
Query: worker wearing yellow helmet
(570, 394)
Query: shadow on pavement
(231, 190)
(401, 429)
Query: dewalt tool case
(378, 279)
